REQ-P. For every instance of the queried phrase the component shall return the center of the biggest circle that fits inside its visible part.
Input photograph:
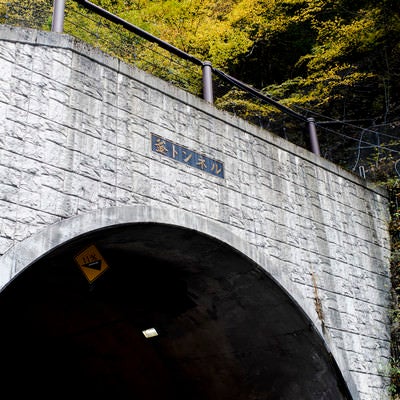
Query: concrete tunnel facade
(257, 227)
(226, 329)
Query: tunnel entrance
(225, 329)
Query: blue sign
(186, 156)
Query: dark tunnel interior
(225, 329)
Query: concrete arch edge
(24, 253)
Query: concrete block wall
(75, 137)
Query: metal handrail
(207, 69)
(140, 32)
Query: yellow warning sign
(91, 262)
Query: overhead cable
(259, 95)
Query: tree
(26, 13)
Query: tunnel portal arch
(226, 329)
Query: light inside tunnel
(149, 333)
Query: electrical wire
(346, 123)
(395, 168)
(358, 151)
(358, 140)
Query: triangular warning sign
(91, 262)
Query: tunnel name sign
(91, 263)
(184, 155)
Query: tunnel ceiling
(225, 329)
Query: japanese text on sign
(186, 156)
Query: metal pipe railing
(57, 24)
(207, 69)
(313, 136)
(140, 32)
(208, 92)
(259, 95)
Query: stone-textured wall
(75, 137)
